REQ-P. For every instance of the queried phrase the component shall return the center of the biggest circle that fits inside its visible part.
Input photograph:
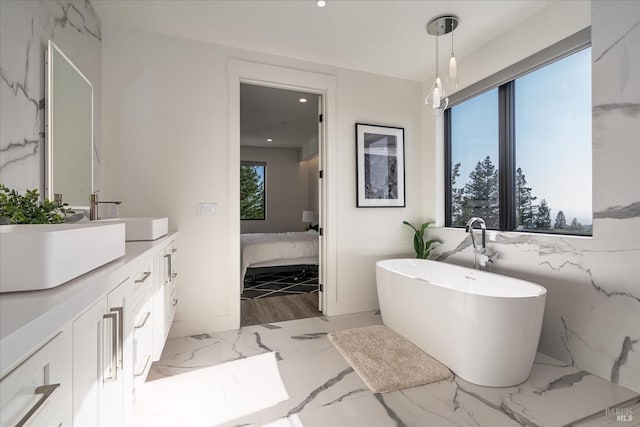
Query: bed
(259, 250)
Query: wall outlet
(207, 209)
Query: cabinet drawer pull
(45, 391)
(174, 250)
(169, 266)
(144, 277)
(174, 275)
(120, 320)
(141, 324)
(113, 357)
(175, 302)
(144, 368)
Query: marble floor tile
(323, 390)
(212, 395)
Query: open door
(321, 149)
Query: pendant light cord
(452, 43)
(437, 67)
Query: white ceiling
(380, 36)
(277, 114)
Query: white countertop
(29, 319)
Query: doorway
(321, 84)
(280, 131)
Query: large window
(252, 190)
(474, 160)
(519, 155)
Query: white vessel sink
(42, 256)
(146, 228)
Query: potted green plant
(422, 247)
(27, 209)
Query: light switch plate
(207, 209)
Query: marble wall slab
(25, 28)
(592, 317)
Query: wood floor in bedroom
(278, 309)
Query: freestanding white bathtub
(483, 326)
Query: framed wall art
(380, 166)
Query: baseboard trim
(353, 306)
(188, 327)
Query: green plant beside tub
(27, 209)
(422, 247)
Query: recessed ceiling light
(321, 3)
(269, 140)
(303, 100)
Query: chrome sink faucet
(479, 258)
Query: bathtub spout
(483, 228)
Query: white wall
(311, 167)
(287, 190)
(166, 133)
(593, 284)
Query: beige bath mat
(385, 360)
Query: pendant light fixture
(437, 99)
(453, 68)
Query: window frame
(264, 192)
(504, 80)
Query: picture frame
(380, 174)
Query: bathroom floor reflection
(323, 390)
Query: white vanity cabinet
(73, 355)
(38, 391)
(102, 361)
(171, 281)
(165, 297)
(143, 281)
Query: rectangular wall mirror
(69, 148)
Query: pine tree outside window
(252, 190)
(518, 150)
